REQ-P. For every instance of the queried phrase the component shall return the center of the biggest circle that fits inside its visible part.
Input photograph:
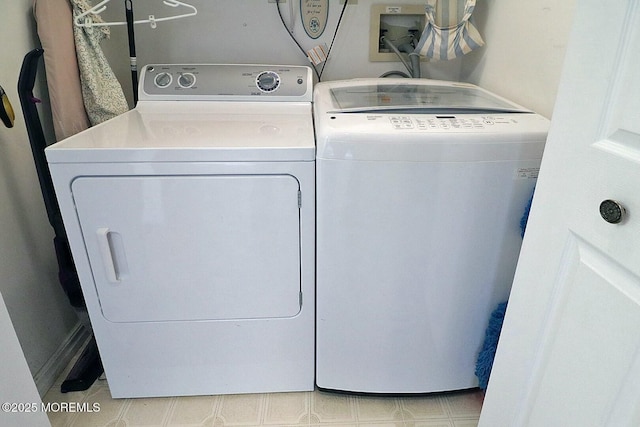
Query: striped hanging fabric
(446, 35)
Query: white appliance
(421, 187)
(191, 222)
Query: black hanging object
(128, 5)
(89, 366)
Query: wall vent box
(395, 22)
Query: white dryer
(421, 187)
(191, 222)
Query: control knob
(187, 80)
(163, 80)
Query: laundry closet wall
(521, 60)
(524, 51)
(250, 31)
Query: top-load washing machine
(191, 223)
(421, 189)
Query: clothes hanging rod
(84, 19)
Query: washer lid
(419, 120)
(414, 96)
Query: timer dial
(268, 81)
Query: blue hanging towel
(525, 215)
(484, 362)
(488, 352)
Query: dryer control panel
(231, 82)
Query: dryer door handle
(106, 254)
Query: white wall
(522, 58)
(36, 303)
(250, 31)
(524, 51)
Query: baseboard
(49, 373)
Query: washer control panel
(447, 122)
(225, 81)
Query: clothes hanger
(84, 19)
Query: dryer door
(171, 248)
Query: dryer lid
(417, 96)
(195, 131)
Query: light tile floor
(460, 409)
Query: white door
(21, 404)
(569, 353)
(205, 247)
